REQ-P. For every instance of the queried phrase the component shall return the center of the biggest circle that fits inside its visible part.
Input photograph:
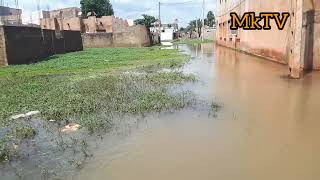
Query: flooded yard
(261, 126)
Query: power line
(175, 3)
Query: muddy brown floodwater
(267, 129)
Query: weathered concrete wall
(103, 24)
(10, 16)
(14, 20)
(311, 40)
(73, 41)
(72, 24)
(97, 40)
(23, 45)
(108, 24)
(7, 11)
(316, 40)
(255, 42)
(62, 13)
(209, 33)
(28, 44)
(297, 45)
(135, 36)
(3, 54)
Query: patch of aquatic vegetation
(79, 95)
(214, 109)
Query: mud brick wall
(135, 36)
(3, 55)
(25, 45)
(97, 40)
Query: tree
(182, 29)
(190, 30)
(211, 19)
(196, 25)
(147, 20)
(97, 7)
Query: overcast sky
(127, 9)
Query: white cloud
(128, 9)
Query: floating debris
(19, 116)
(32, 113)
(72, 127)
(27, 115)
(15, 146)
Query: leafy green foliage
(146, 20)
(96, 7)
(211, 19)
(196, 25)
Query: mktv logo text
(250, 21)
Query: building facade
(296, 45)
(10, 16)
(70, 19)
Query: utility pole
(17, 4)
(38, 9)
(203, 12)
(159, 21)
(39, 17)
(197, 29)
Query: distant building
(70, 19)
(169, 32)
(10, 16)
(64, 13)
(62, 19)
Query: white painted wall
(167, 35)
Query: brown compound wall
(135, 36)
(97, 40)
(3, 55)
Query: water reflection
(268, 128)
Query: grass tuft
(90, 87)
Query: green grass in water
(82, 86)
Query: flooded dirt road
(267, 129)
